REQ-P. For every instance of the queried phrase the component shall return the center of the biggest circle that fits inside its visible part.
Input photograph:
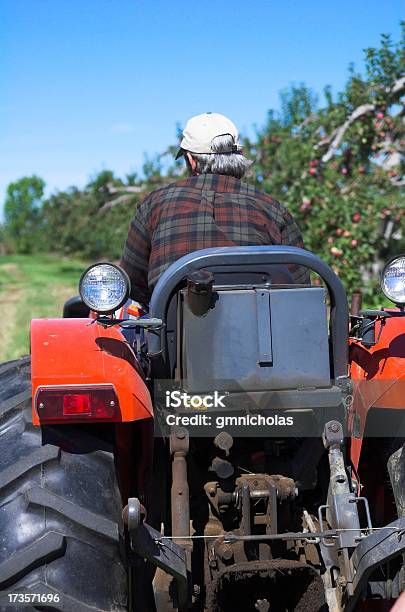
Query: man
(211, 208)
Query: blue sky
(93, 84)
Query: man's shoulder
(267, 198)
(162, 192)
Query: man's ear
(192, 162)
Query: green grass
(32, 286)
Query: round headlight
(393, 280)
(104, 287)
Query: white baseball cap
(202, 129)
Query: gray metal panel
(227, 349)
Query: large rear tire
(396, 471)
(60, 508)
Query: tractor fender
(67, 352)
(378, 376)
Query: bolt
(349, 401)
(224, 441)
(112, 403)
(226, 552)
(262, 605)
(41, 406)
(342, 582)
(334, 427)
(223, 468)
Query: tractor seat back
(259, 332)
(254, 339)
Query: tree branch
(340, 132)
(124, 189)
(398, 86)
(337, 136)
(120, 200)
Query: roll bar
(255, 258)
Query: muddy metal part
(285, 584)
(224, 495)
(258, 483)
(180, 503)
(342, 514)
(253, 497)
(341, 509)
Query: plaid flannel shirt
(208, 210)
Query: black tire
(396, 471)
(60, 508)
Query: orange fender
(378, 375)
(80, 352)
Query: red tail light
(77, 404)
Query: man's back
(208, 210)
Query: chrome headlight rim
(400, 303)
(125, 296)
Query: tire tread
(26, 487)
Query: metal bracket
(333, 434)
(364, 500)
(320, 519)
(264, 327)
(169, 556)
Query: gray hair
(224, 160)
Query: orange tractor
(240, 447)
